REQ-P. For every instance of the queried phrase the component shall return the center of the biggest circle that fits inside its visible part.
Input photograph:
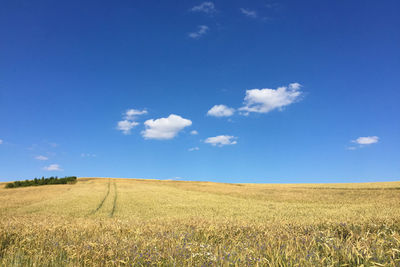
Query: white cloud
(125, 126)
(206, 7)
(165, 128)
(363, 141)
(221, 140)
(52, 167)
(368, 140)
(131, 114)
(1, 141)
(266, 100)
(194, 132)
(41, 157)
(220, 111)
(295, 86)
(249, 12)
(194, 148)
(202, 29)
(128, 121)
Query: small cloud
(295, 86)
(196, 148)
(202, 30)
(1, 141)
(52, 167)
(41, 157)
(131, 114)
(128, 121)
(194, 132)
(363, 141)
(221, 140)
(368, 140)
(88, 155)
(273, 5)
(249, 13)
(206, 7)
(53, 144)
(266, 100)
(165, 128)
(126, 126)
(221, 111)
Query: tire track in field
(115, 201)
(104, 199)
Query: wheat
(125, 222)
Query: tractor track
(115, 201)
(104, 199)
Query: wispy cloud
(221, 140)
(273, 5)
(194, 148)
(52, 144)
(266, 100)
(52, 167)
(131, 114)
(44, 147)
(88, 155)
(221, 111)
(40, 157)
(206, 7)
(249, 13)
(165, 128)
(194, 132)
(126, 126)
(1, 141)
(128, 121)
(202, 30)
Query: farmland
(103, 222)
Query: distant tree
(43, 181)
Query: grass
(118, 222)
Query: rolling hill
(110, 221)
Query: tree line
(43, 181)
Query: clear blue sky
(116, 89)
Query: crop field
(131, 222)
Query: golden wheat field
(132, 222)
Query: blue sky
(229, 91)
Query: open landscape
(199, 133)
(118, 222)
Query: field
(118, 222)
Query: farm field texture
(103, 222)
